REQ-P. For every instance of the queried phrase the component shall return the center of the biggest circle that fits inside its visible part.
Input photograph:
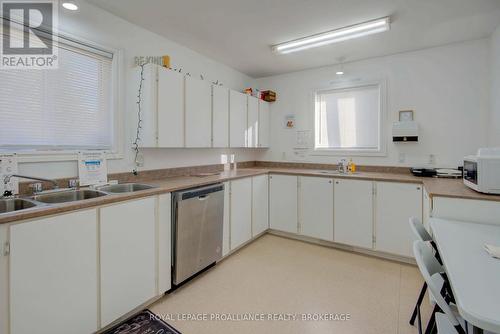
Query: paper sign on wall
(92, 168)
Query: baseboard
(331, 244)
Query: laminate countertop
(434, 187)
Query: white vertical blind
(348, 119)
(64, 108)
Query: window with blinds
(348, 119)
(59, 109)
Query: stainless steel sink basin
(329, 172)
(68, 196)
(125, 188)
(336, 172)
(15, 204)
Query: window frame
(65, 154)
(381, 151)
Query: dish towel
(493, 250)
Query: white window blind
(348, 119)
(65, 108)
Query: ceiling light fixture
(334, 36)
(70, 5)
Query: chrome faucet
(9, 176)
(342, 166)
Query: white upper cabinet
(198, 95)
(260, 203)
(237, 119)
(241, 211)
(264, 119)
(316, 207)
(53, 275)
(220, 116)
(283, 203)
(252, 133)
(395, 204)
(170, 115)
(149, 112)
(128, 247)
(353, 214)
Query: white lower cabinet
(226, 232)
(241, 211)
(53, 275)
(260, 200)
(395, 204)
(283, 203)
(164, 242)
(353, 214)
(316, 207)
(128, 257)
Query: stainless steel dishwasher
(197, 230)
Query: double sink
(65, 196)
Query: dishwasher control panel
(8, 165)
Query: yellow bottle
(352, 166)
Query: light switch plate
(8, 165)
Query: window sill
(353, 153)
(52, 156)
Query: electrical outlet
(402, 157)
(432, 159)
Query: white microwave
(482, 171)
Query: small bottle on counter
(351, 167)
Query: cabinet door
(395, 204)
(198, 120)
(252, 133)
(237, 119)
(227, 220)
(316, 207)
(170, 108)
(53, 275)
(283, 203)
(241, 211)
(353, 213)
(128, 257)
(149, 111)
(264, 119)
(220, 116)
(164, 243)
(260, 210)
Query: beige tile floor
(277, 275)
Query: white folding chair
(444, 325)
(432, 271)
(421, 233)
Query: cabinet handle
(418, 188)
(336, 182)
(330, 181)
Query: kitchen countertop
(434, 187)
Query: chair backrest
(431, 271)
(419, 230)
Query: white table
(473, 274)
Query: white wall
(494, 139)
(447, 87)
(98, 26)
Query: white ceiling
(239, 33)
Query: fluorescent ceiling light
(70, 5)
(334, 36)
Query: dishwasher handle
(200, 192)
(203, 197)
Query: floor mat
(145, 322)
